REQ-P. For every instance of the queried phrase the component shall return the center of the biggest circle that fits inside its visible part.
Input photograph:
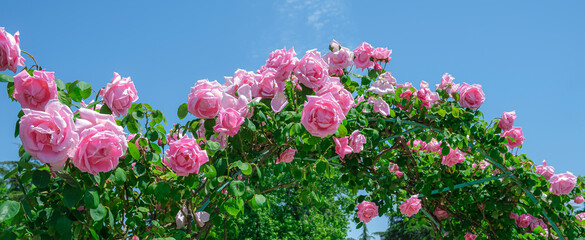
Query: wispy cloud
(315, 13)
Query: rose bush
(422, 154)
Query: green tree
(404, 229)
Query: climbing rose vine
(114, 168)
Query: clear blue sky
(528, 55)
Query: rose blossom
(360, 99)
(447, 84)
(517, 137)
(201, 218)
(283, 62)
(524, 220)
(380, 106)
(581, 217)
(367, 211)
(362, 56)
(35, 91)
(228, 122)
(339, 57)
(287, 156)
(579, 199)
(205, 99)
(455, 156)
(537, 222)
(384, 84)
(312, 70)
(440, 213)
(267, 85)
(49, 136)
(101, 142)
(241, 77)
(135, 237)
(381, 54)
(470, 236)
(119, 95)
(341, 95)
(507, 120)
(221, 139)
(185, 156)
(356, 141)
(471, 96)
(322, 115)
(546, 171)
(562, 184)
(433, 146)
(10, 56)
(411, 206)
(342, 147)
(426, 96)
(394, 168)
(180, 218)
(513, 215)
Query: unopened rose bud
(378, 67)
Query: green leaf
(366, 80)
(212, 146)
(91, 199)
(60, 84)
(71, 196)
(237, 188)
(85, 89)
(41, 178)
(74, 91)
(139, 169)
(134, 152)
(231, 207)
(64, 226)
(321, 167)
(97, 213)
(162, 191)
(442, 112)
(259, 201)
(183, 110)
(8, 210)
(341, 131)
(245, 167)
(210, 171)
(106, 110)
(455, 112)
(119, 176)
(6, 78)
(64, 98)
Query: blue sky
(528, 56)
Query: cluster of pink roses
(506, 123)
(527, 220)
(560, 184)
(352, 143)
(94, 142)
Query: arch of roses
(111, 169)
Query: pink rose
(433, 146)
(312, 71)
(537, 222)
(101, 142)
(426, 96)
(240, 78)
(447, 84)
(334, 46)
(341, 95)
(240, 104)
(267, 85)
(185, 156)
(49, 136)
(201, 218)
(205, 99)
(119, 95)
(322, 115)
(581, 218)
(356, 141)
(507, 120)
(10, 56)
(405, 94)
(384, 84)
(394, 168)
(411, 206)
(342, 146)
(524, 220)
(279, 102)
(517, 137)
(367, 211)
(380, 106)
(180, 218)
(579, 199)
(455, 156)
(360, 99)
(417, 145)
(283, 62)
(471, 96)
(440, 213)
(35, 91)
(228, 122)
(513, 215)
(362, 56)
(338, 58)
(546, 171)
(135, 237)
(287, 156)
(381, 54)
(562, 184)
(470, 236)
